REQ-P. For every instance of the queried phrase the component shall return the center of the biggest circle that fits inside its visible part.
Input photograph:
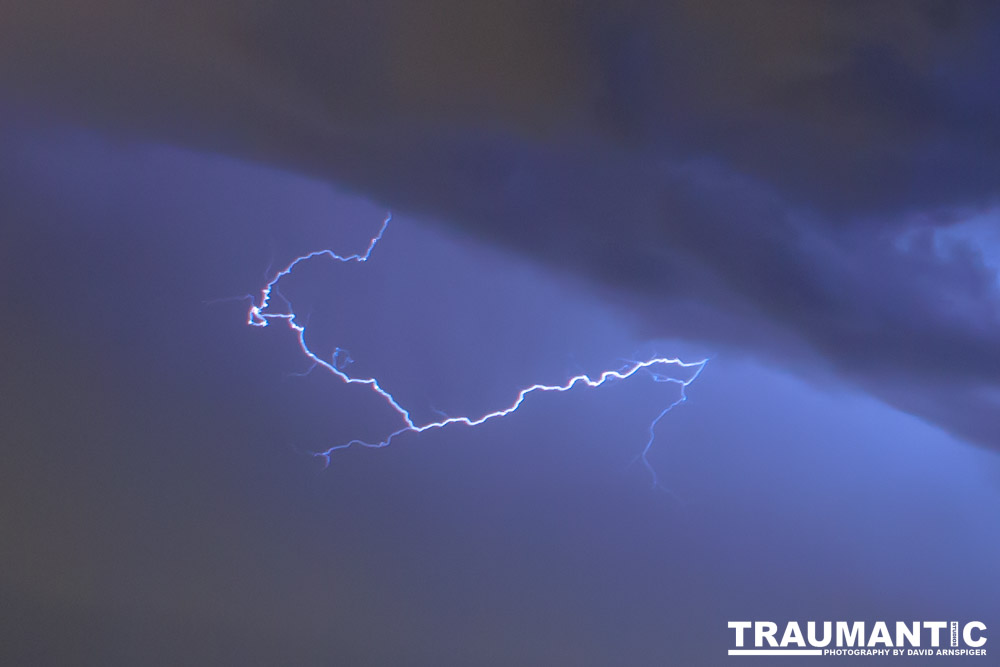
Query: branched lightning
(262, 312)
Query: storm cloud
(779, 177)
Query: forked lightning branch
(262, 312)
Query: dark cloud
(770, 175)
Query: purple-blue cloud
(769, 175)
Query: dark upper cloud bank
(772, 175)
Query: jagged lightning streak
(261, 313)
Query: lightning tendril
(261, 313)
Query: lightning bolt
(261, 313)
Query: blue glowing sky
(806, 195)
(171, 497)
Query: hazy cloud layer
(772, 175)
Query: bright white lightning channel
(261, 313)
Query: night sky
(806, 193)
